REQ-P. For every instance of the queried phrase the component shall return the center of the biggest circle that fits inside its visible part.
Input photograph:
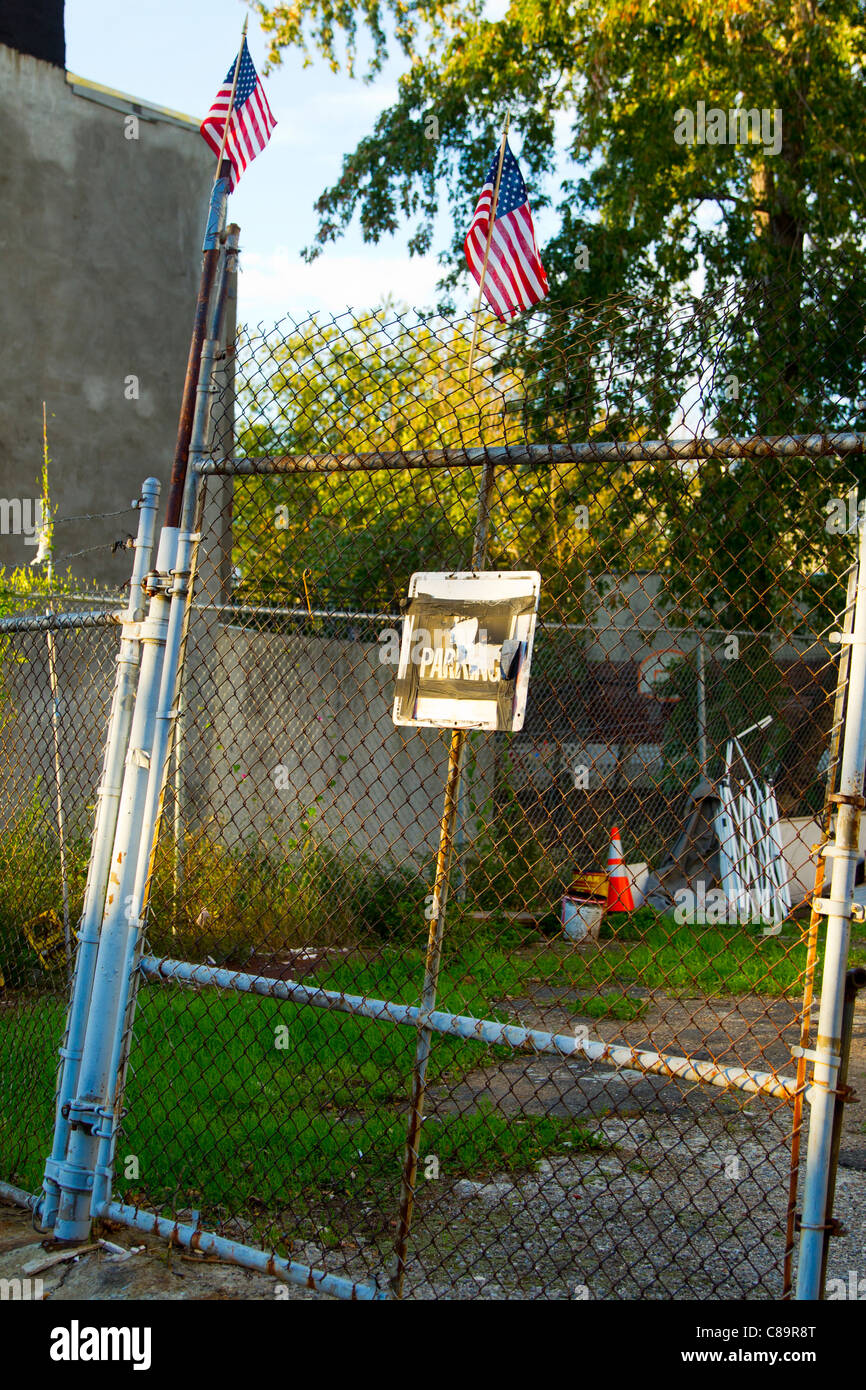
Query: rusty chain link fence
(631, 1135)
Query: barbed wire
(91, 516)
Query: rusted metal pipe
(842, 443)
(210, 257)
(433, 960)
(428, 1000)
(54, 686)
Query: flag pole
(231, 100)
(210, 255)
(493, 206)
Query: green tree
(617, 72)
(773, 230)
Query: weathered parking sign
(466, 650)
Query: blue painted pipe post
(90, 1113)
(105, 821)
(180, 596)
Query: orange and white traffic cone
(619, 898)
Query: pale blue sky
(175, 53)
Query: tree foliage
(723, 285)
(612, 74)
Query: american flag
(251, 120)
(515, 278)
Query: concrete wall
(297, 727)
(101, 256)
(286, 736)
(319, 711)
(85, 664)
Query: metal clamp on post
(156, 582)
(848, 799)
(88, 1115)
(180, 583)
(811, 1054)
(829, 907)
(152, 630)
(833, 1227)
(67, 1175)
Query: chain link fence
(682, 691)
(57, 656)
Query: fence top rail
(53, 622)
(626, 451)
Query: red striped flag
(515, 278)
(251, 121)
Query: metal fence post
(88, 1113)
(703, 757)
(141, 853)
(812, 934)
(54, 686)
(855, 980)
(450, 808)
(827, 1055)
(180, 594)
(178, 817)
(107, 802)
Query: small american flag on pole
(251, 121)
(514, 279)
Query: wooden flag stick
(489, 240)
(231, 100)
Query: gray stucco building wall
(316, 710)
(103, 204)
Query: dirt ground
(653, 1215)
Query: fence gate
(346, 1007)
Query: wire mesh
(688, 593)
(56, 667)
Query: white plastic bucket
(581, 918)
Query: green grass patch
(222, 1118)
(486, 1142)
(612, 1006)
